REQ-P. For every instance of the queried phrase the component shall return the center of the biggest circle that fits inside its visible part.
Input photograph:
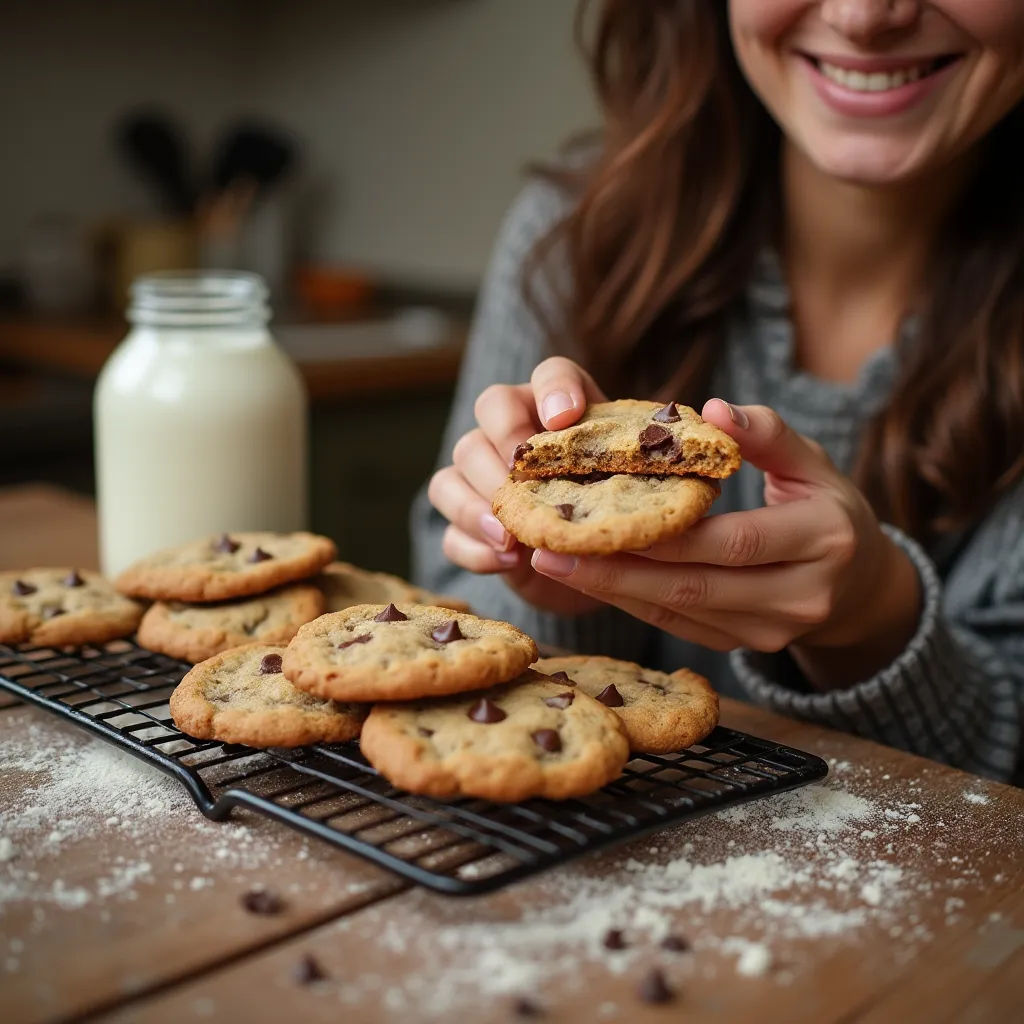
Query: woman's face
(880, 91)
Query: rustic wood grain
(44, 525)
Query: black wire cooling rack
(119, 692)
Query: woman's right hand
(507, 415)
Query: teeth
(877, 81)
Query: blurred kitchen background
(358, 153)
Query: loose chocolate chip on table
(390, 614)
(270, 664)
(259, 555)
(226, 545)
(425, 733)
(527, 1008)
(674, 944)
(654, 437)
(670, 414)
(560, 700)
(448, 633)
(654, 989)
(307, 970)
(521, 450)
(73, 579)
(51, 612)
(610, 697)
(364, 639)
(262, 901)
(562, 677)
(23, 589)
(486, 712)
(548, 739)
(565, 511)
(614, 939)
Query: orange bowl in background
(334, 291)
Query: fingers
(681, 626)
(561, 390)
(507, 415)
(474, 555)
(481, 465)
(452, 496)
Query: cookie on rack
(63, 606)
(661, 712)
(241, 696)
(630, 436)
(533, 737)
(375, 652)
(601, 514)
(345, 585)
(195, 632)
(226, 566)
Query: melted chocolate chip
(51, 611)
(448, 633)
(425, 733)
(259, 555)
(548, 739)
(521, 450)
(364, 639)
(654, 989)
(262, 901)
(562, 677)
(674, 944)
(588, 478)
(560, 701)
(565, 511)
(390, 614)
(614, 939)
(670, 414)
(653, 437)
(73, 579)
(610, 697)
(226, 545)
(307, 970)
(270, 664)
(527, 1008)
(22, 589)
(486, 712)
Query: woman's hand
(811, 571)
(556, 397)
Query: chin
(863, 161)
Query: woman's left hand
(811, 570)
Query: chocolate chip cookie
(227, 566)
(661, 712)
(345, 585)
(195, 632)
(534, 737)
(63, 607)
(241, 696)
(372, 652)
(630, 436)
(599, 515)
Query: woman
(815, 209)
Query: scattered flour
(977, 798)
(754, 958)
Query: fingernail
(551, 564)
(557, 402)
(509, 559)
(493, 530)
(737, 415)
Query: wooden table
(893, 893)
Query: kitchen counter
(892, 892)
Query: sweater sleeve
(506, 342)
(955, 693)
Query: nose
(864, 20)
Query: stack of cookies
(627, 475)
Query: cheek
(758, 29)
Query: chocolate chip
(226, 545)
(614, 939)
(548, 739)
(674, 944)
(670, 414)
(23, 589)
(562, 677)
(425, 733)
(527, 1008)
(521, 450)
(654, 437)
(51, 611)
(259, 555)
(560, 701)
(262, 901)
(390, 614)
(364, 639)
(448, 633)
(654, 989)
(610, 697)
(270, 664)
(307, 970)
(588, 478)
(486, 712)
(73, 579)
(565, 511)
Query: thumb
(768, 442)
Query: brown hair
(673, 209)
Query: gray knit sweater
(955, 694)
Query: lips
(866, 79)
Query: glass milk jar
(200, 419)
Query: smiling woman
(812, 208)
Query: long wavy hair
(681, 195)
